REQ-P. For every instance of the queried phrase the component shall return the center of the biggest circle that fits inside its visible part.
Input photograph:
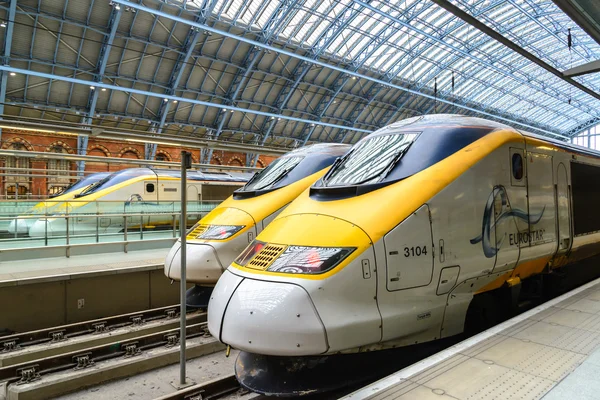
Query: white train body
(135, 191)
(22, 225)
(217, 239)
(468, 224)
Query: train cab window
(116, 178)
(517, 166)
(370, 160)
(149, 187)
(275, 172)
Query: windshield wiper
(395, 160)
(336, 164)
(280, 177)
(253, 177)
(386, 170)
(90, 188)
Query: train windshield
(114, 179)
(82, 183)
(269, 176)
(371, 160)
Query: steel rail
(20, 341)
(11, 121)
(35, 370)
(214, 389)
(115, 160)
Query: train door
(563, 209)
(409, 260)
(541, 237)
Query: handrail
(72, 229)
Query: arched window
(131, 154)
(97, 166)
(162, 155)
(18, 180)
(59, 171)
(236, 161)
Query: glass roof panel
(429, 42)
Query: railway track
(216, 389)
(22, 347)
(55, 361)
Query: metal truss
(316, 62)
(82, 140)
(298, 73)
(8, 36)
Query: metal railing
(73, 223)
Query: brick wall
(32, 141)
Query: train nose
(42, 227)
(270, 318)
(20, 225)
(203, 264)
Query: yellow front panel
(379, 211)
(250, 211)
(312, 230)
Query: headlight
(309, 260)
(292, 259)
(214, 232)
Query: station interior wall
(43, 185)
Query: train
(218, 238)
(136, 191)
(21, 225)
(427, 228)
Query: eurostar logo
(489, 223)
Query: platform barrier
(61, 227)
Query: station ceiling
(288, 72)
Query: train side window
(517, 166)
(150, 187)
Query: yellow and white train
(22, 225)
(216, 240)
(134, 191)
(426, 228)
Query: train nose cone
(42, 227)
(268, 318)
(20, 225)
(203, 264)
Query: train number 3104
(415, 251)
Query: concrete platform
(56, 291)
(550, 352)
(16, 273)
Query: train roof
(336, 149)
(196, 175)
(191, 174)
(291, 167)
(409, 146)
(428, 121)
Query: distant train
(135, 191)
(22, 225)
(428, 227)
(219, 237)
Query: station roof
(288, 72)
